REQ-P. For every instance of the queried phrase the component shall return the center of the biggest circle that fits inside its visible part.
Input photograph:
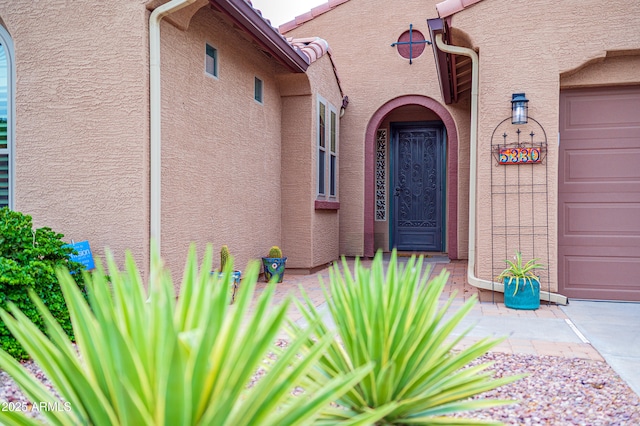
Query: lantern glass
(519, 108)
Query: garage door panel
(590, 277)
(598, 142)
(595, 191)
(592, 271)
(597, 246)
(599, 194)
(604, 112)
(587, 194)
(602, 165)
(605, 219)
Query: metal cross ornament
(410, 43)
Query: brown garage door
(599, 194)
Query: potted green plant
(274, 264)
(521, 284)
(225, 257)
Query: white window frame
(7, 45)
(324, 173)
(214, 58)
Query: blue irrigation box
(84, 255)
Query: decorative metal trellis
(519, 183)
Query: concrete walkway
(613, 328)
(589, 330)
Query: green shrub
(157, 360)
(28, 260)
(393, 319)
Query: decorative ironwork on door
(418, 180)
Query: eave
(454, 72)
(245, 17)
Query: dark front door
(417, 186)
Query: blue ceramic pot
(274, 267)
(527, 295)
(235, 277)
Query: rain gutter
(155, 148)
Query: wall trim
(327, 205)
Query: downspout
(473, 160)
(155, 149)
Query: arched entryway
(433, 115)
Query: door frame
(442, 162)
(453, 181)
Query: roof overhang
(245, 17)
(454, 72)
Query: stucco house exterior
(198, 126)
(357, 127)
(578, 64)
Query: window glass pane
(258, 90)
(211, 61)
(322, 126)
(332, 176)
(333, 131)
(321, 171)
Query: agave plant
(394, 320)
(515, 269)
(156, 360)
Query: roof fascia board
(443, 62)
(262, 32)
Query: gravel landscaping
(557, 391)
(560, 391)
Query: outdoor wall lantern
(519, 108)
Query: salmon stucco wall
(326, 223)
(613, 70)
(310, 237)
(535, 44)
(298, 183)
(221, 161)
(81, 139)
(372, 73)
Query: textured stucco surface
(221, 148)
(82, 137)
(535, 44)
(612, 70)
(241, 173)
(82, 120)
(538, 48)
(236, 171)
(310, 236)
(326, 237)
(298, 178)
(372, 73)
